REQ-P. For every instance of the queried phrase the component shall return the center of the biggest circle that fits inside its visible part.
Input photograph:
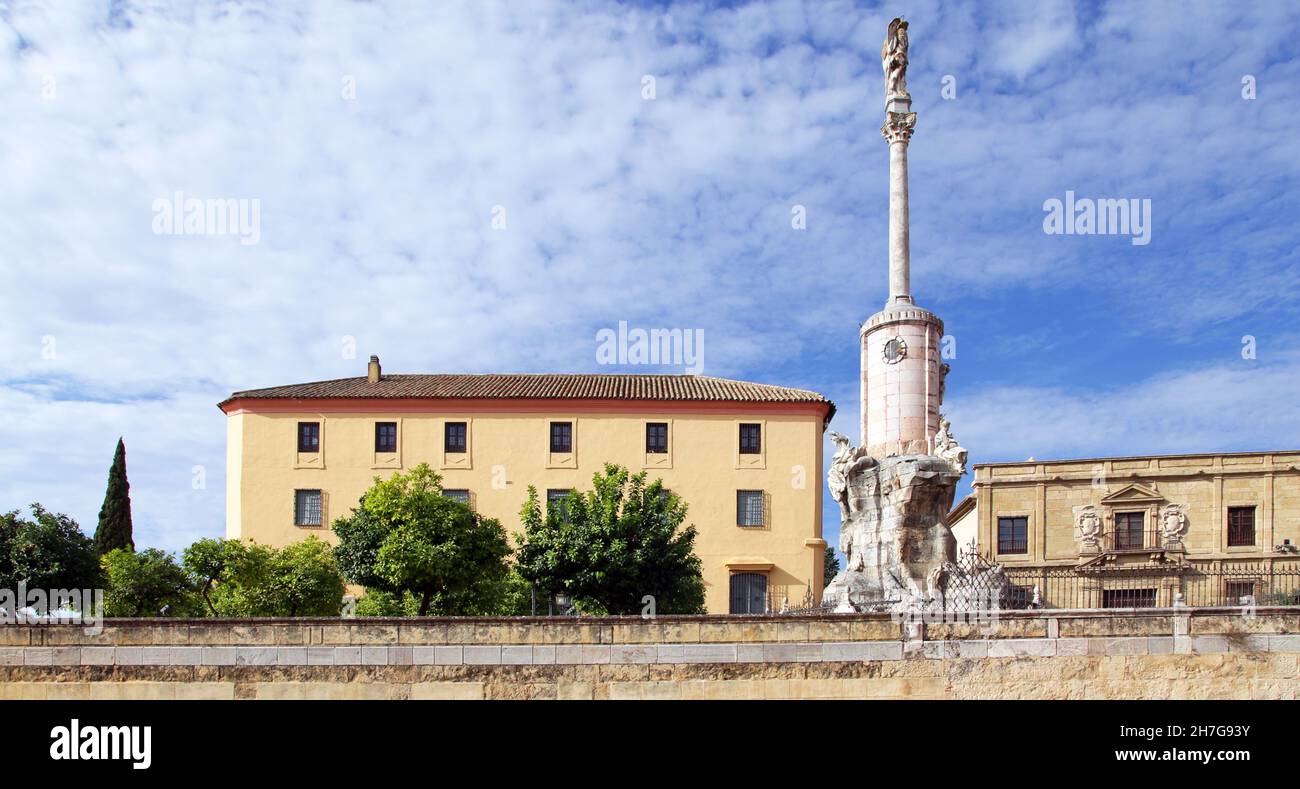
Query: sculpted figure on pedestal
(946, 447)
(846, 460)
(893, 59)
(837, 476)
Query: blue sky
(376, 214)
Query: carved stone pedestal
(894, 538)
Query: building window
(1241, 526)
(457, 494)
(1128, 530)
(748, 593)
(656, 437)
(751, 439)
(557, 501)
(1239, 592)
(1128, 598)
(1013, 534)
(385, 436)
(749, 509)
(309, 436)
(453, 437)
(306, 508)
(1016, 597)
(561, 437)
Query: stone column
(897, 131)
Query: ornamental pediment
(1133, 493)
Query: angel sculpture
(893, 58)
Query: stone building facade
(1203, 529)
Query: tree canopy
(405, 536)
(46, 551)
(249, 580)
(612, 546)
(144, 583)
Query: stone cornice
(908, 314)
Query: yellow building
(1205, 529)
(745, 457)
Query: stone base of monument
(899, 552)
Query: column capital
(898, 126)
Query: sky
(485, 186)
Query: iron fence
(790, 600)
(976, 584)
(1157, 585)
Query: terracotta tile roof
(544, 386)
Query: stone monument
(896, 488)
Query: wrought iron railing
(1121, 540)
(1193, 584)
(979, 584)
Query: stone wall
(1151, 653)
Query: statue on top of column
(893, 57)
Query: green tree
(405, 536)
(234, 579)
(376, 602)
(304, 580)
(830, 566)
(515, 599)
(114, 530)
(48, 551)
(141, 584)
(613, 545)
(206, 562)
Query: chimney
(372, 370)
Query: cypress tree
(114, 530)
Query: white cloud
(1032, 34)
(375, 212)
(1239, 406)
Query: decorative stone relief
(898, 126)
(1088, 518)
(1173, 525)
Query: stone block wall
(1151, 653)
